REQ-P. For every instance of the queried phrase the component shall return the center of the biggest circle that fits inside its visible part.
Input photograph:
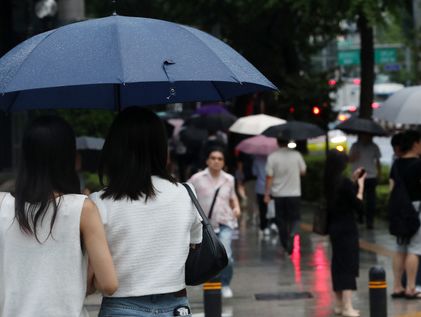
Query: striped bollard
(378, 289)
(212, 298)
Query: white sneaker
(274, 227)
(226, 292)
(266, 232)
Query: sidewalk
(262, 267)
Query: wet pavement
(262, 267)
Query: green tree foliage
(89, 122)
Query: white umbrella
(255, 124)
(404, 106)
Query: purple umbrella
(257, 145)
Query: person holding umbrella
(283, 170)
(366, 154)
(149, 219)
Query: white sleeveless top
(45, 279)
(149, 242)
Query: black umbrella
(212, 122)
(359, 125)
(294, 130)
(193, 137)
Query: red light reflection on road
(296, 261)
(321, 282)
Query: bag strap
(2, 195)
(213, 201)
(205, 220)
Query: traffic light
(316, 110)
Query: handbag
(404, 220)
(320, 220)
(209, 258)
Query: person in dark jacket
(343, 200)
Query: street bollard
(212, 298)
(378, 289)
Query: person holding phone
(343, 199)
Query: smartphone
(361, 174)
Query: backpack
(403, 218)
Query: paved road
(262, 267)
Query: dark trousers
(287, 216)
(370, 200)
(263, 209)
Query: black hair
(408, 139)
(46, 169)
(135, 149)
(215, 149)
(396, 139)
(335, 165)
(282, 142)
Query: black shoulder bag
(403, 218)
(210, 257)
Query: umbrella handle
(172, 91)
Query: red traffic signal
(316, 110)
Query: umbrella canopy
(294, 130)
(89, 143)
(254, 124)
(257, 145)
(193, 137)
(359, 125)
(404, 106)
(116, 62)
(212, 122)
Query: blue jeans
(225, 236)
(162, 305)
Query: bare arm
(268, 186)
(94, 239)
(235, 205)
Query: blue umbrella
(116, 62)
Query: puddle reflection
(322, 282)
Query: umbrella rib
(221, 96)
(28, 55)
(210, 49)
(117, 90)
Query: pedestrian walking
(48, 231)
(246, 183)
(283, 170)
(216, 193)
(149, 219)
(406, 175)
(343, 198)
(366, 154)
(259, 170)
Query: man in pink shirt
(211, 182)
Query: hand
(266, 198)
(237, 212)
(356, 175)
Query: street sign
(387, 55)
(349, 57)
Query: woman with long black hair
(149, 219)
(48, 231)
(343, 199)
